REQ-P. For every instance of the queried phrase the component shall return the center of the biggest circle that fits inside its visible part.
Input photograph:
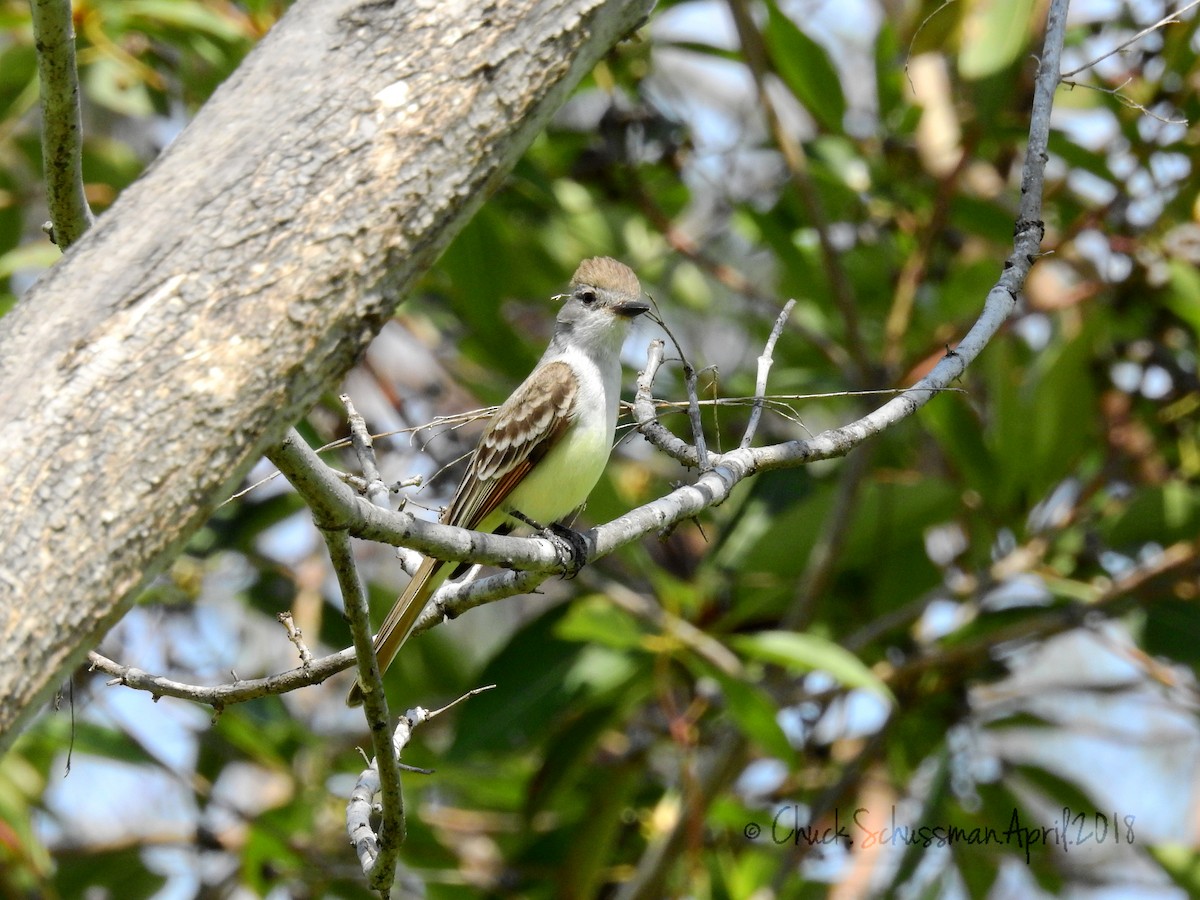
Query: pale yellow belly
(564, 477)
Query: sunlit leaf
(806, 69)
(993, 33)
(806, 652)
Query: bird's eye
(587, 296)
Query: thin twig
(360, 440)
(474, 692)
(647, 419)
(62, 124)
(451, 422)
(1169, 19)
(296, 636)
(378, 854)
(1127, 102)
(222, 695)
(362, 799)
(765, 361)
(725, 273)
(386, 850)
(912, 42)
(689, 377)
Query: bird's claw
(571, 547)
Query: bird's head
(603, 298)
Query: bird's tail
(402, 617)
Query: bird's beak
(631, 308)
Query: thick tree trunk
(242, 274)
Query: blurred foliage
(970, 649)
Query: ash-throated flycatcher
(545, 448)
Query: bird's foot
(569, 544)
(571, 547)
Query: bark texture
(205, 311)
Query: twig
(474, 692)
(222, 695)
(379, 854)
(451, 422)
(62, 125)
(912, 42)
(360, 440)
(383, 851)
(647, 419)
(672, 626)
(362, 799)
(1127, 102)
(386, 850)
(335, 504)
(689, 377)
(451, 600)
(723, 272)
(1169, 19)
(764, 368)
(296, 637)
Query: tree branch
(239, 277)
(362, 798)
(335, 504)
(222, 695)
(1171, 18)
(62, 126)
(386, 849)
(765, 360)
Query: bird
(547, 445)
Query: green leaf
(1172, 630)
(889, 64)
(993, 34)
(117, 87)
(1170, 512)
(18, 78)
(1064, 395)
(582, 873)
(807, 652)
(1181, 863)
(958, 432)
(567, 754)
(754, 713)
(538, 675)
(596, 621)
(1183, 298)
(806, 69)
(119, 873)
(187, 16)
(31, 256)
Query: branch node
(296, 637)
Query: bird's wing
(523, 430)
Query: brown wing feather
(523, 430)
